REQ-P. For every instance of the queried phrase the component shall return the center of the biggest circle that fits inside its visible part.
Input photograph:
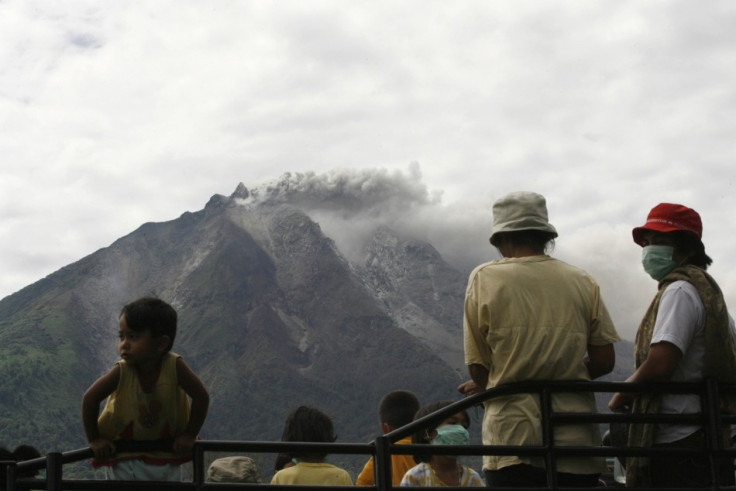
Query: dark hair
(281, 460)
(397, 408)
(308, 424)
(422, 436)
(152, 314)
(537, 240)
(21, 453)
(691, 246)
(26, 452)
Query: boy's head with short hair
(396, 409)
(151, 314)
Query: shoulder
(680, 315)
(504, 263)
(572, 270)
(106, 384)
(173, 360)
(498, 268)
(119, 369)
(480, 269)
(418, 470)
(471, 478)
(681, 286)
(170, 362)
(681, 292)
(286, 472)
(277, 478)
(344, 472)
(171, 357)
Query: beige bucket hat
(233, 469)
(520, 210)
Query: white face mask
(657, 260)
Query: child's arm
(200, 402)
(93, 396)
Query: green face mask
(451, 435)
(657, 260)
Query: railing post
(382, 463)
(198, 466)
(548, 437)
(10, 474)
(53, 471)
(712, 427)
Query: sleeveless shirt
(134, 413)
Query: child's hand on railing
(102, 448)
(184, 443)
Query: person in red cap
(686, 335)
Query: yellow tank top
(131, 413)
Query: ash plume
(350, 205)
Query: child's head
(21, 453)
(396, 409)
(431, 433)
(308, 424)
(153, 315)
(26, 452)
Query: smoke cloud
(350, 205)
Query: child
(396, 409)
(21, 453)
(307, 424)
(146, 395)
(442, 470)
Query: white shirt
(681, 321)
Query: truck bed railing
(384, 446)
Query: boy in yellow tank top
(148, 394)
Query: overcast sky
(113, 114)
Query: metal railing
(384, 446)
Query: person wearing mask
(442, 470)
(686, 335)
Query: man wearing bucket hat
(529, 316)
(686, 335)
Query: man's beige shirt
(533, 318)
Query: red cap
(669, 217)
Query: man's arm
(600, 360)
(479, 374)
(478, 380)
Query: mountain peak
(241, 192)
